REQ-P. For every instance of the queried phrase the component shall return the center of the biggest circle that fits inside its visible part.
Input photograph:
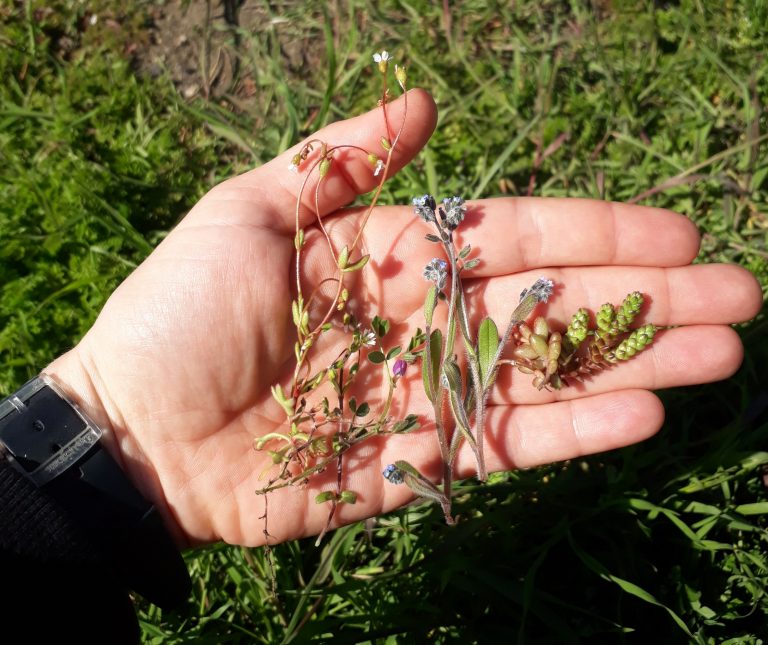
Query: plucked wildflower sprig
(466, 394)
(554, 359)
(324, 420)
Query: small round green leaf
(377, 357)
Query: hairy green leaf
(430, 303)
(487, 345)
(430, 366)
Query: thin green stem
(390, 394)
(370, 208)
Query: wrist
(81, 498)
(78, 378)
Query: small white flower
(294, 168)
(379, 167)
(368, 338)
(383, 57)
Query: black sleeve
(54, 581)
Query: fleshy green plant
(324, 421)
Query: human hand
(180, 362)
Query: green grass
(620, 101)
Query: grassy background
(661, 102)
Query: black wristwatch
(54, 444)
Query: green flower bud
(400, 75)
(298, 241)
(343, 258)
(452, 376)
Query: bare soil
(200, 44)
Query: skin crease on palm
(179, 364)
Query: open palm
(181, 360)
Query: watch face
(42, 433)
(50, 441)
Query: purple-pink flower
(398, 369)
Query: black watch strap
(56, 446)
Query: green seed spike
(605, 318)
(637, 341)
(577, 330)
(627, 312)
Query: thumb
(275, 189)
